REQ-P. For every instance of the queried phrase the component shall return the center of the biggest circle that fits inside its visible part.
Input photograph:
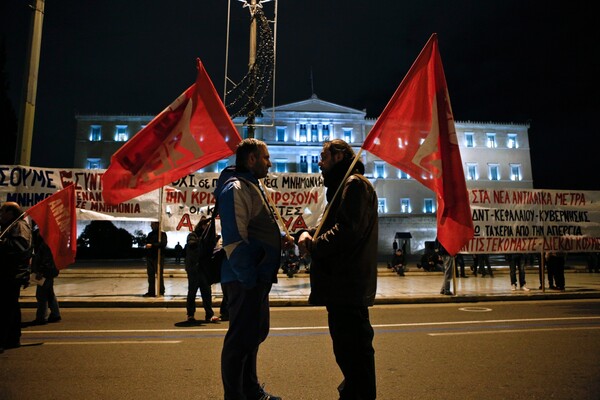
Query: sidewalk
(122, 284)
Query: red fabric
(416, 133)
(55, 216)
(193, 132)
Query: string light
(248, 94)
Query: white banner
(299, 199)
(534, 221)
(30, 185)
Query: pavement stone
(120, 283)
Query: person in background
(343, 273)
(459, 259)
(446, 260)
(516, 264)
(592, 262)
(42, 265)
(15, 258)
(484, 261)
(398, 262)
(555, 264)
(253, 244)
(155, 245)
(178, 253)
(196, 275)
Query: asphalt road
(512, 350)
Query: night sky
(504, 60)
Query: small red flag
(416, 133)
(191, 133)
(55, 216)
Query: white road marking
(302, 328)
(117, 342)
(532, 330)
(475, 309)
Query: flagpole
(454, 275)
(270, 201)
(159, 265)
(12, 224)
(542, 272)
(336, 193)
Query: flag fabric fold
(56, 219)
(191, 133)
(416, 134)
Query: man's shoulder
(359, 179)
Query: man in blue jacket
(253, 243)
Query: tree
(102, 239)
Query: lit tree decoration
(248, 94)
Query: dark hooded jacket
(344, 255)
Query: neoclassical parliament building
(494, 155)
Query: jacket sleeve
(352, 219)
(235, 209)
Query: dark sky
(504, 60)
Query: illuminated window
(428, 206)
(515, 172)
(302, 134)
(325, 133)
(491, 141)
(93, 163)
(280, 134)
(348, 135)
(381, 206)
(221, 165)
(379, 169)
(469, 139)
(405, 206)
(121, 134)
(494, 172)
(280, 165)
(472, 172)
(95, 133)
(314, 133)
(403, 175)
(511, 141)
(303, 167)
(314, 164)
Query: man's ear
(337, 157)
(251, 159)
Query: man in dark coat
(155, 244)
(15, 256)
(343, 272)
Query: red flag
(416, 133)
(55, 216)
(191, 133)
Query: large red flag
(416, 133)
(55, 216)
(191, 133)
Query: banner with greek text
(534, 221)
(27, 186)
(299, 199)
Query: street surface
(493, 350)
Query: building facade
(494, 155)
